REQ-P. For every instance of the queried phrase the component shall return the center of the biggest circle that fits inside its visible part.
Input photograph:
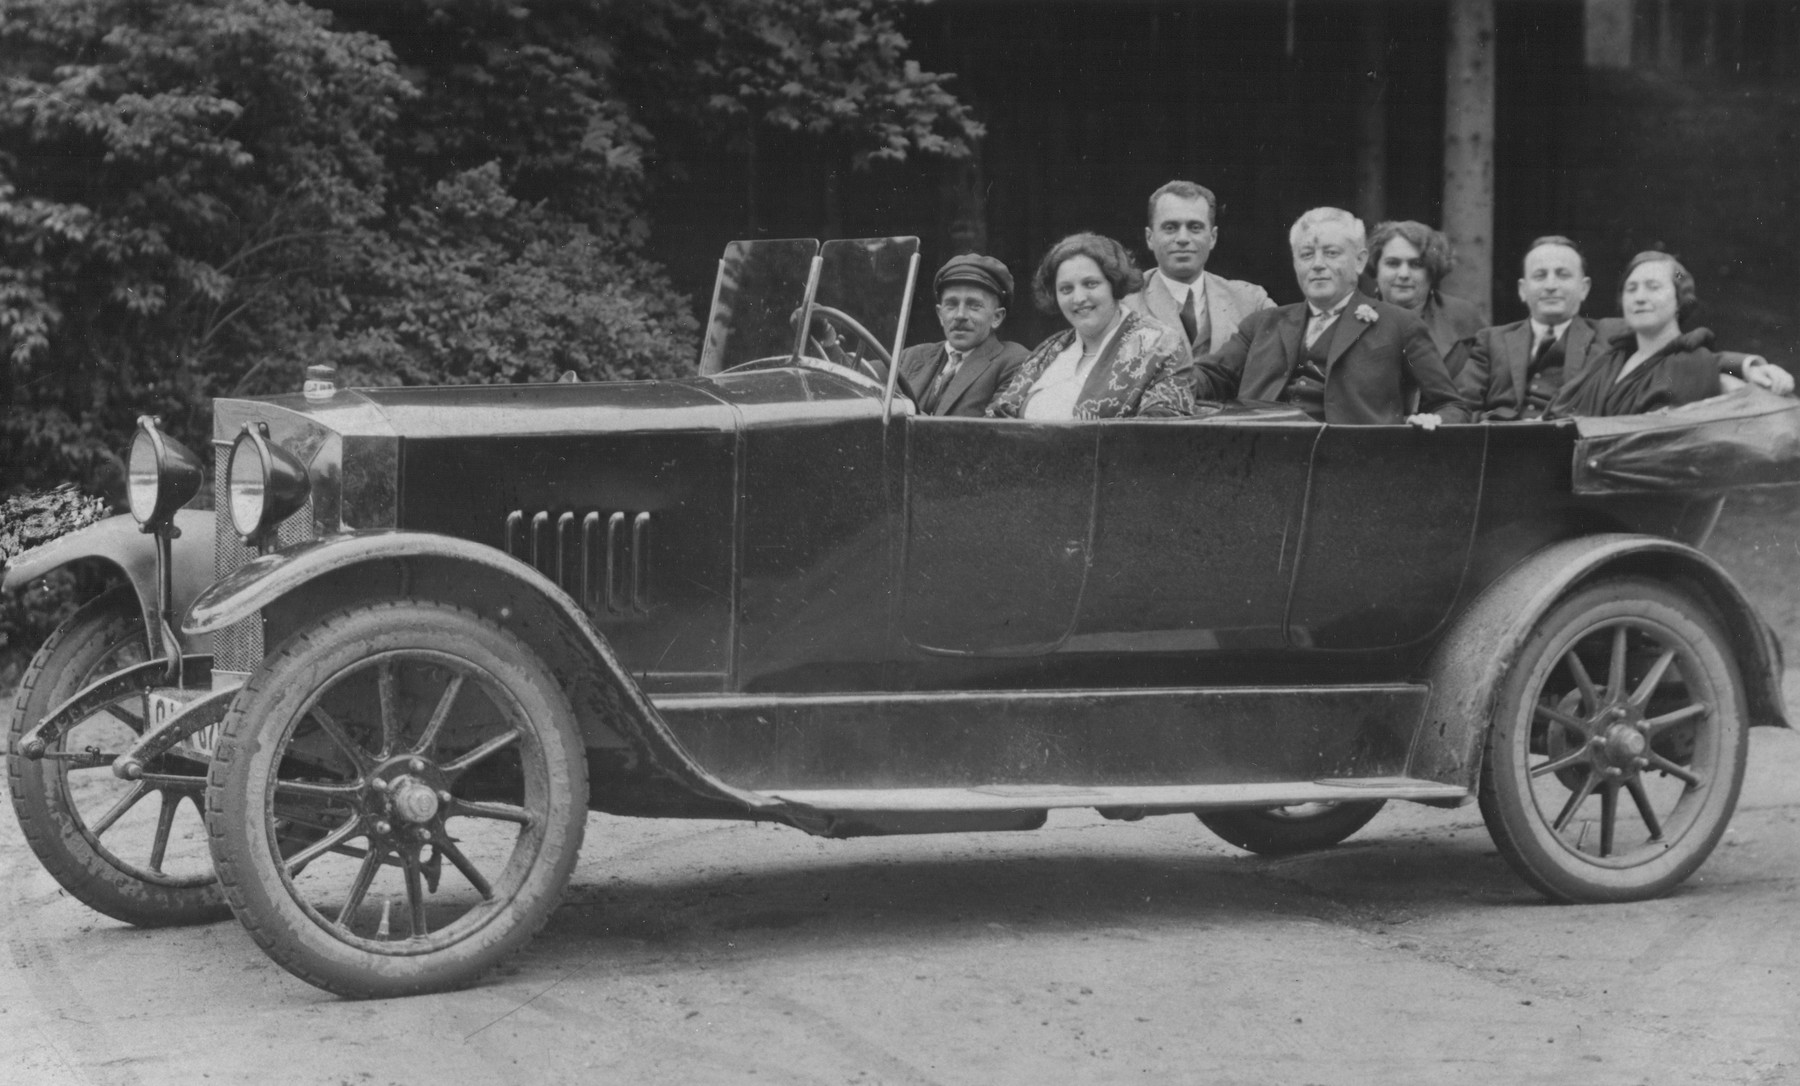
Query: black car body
(777, 592)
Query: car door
(998, 533)
(1391, 515)
(1198, 536)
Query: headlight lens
(160, 475)
(264, 484)
(247, 484)
(141, 477)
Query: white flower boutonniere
(1367, 314)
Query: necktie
(952, 362)
(1188, 323)
(1316, 325)
(1543, 348)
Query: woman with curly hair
(1109, 362)
(1408, 260)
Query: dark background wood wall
(1694, 146)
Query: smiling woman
(1653, 364)
(1110, 362)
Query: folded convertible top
(1745, 438)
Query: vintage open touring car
(424, 630)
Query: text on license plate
(164, 707)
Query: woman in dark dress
(1653, 364)
(1408, 260)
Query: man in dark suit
(1515, 370)
(1340, 356)
(960, 375)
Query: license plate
(163, 707)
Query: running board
(1150, 798)
(1183, 746)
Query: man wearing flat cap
(959, 375)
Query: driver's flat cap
(977, 271)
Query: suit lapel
(1577, 343)
(1219, 312)
(1161, 305)
(922, 368)
(1517, 347)
(973, 366)
(1292, 330)
(1346, 331)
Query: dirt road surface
(1086, 952)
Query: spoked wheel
(432, 764)
(1299, 827)
(1618, 748)
(134, 850)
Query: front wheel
(134, 850)
(1618, 746)
(1299, 827)
(431, 763)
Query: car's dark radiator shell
(239, 647)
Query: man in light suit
(1515, 370)
(1205, 308)
(959, 376)
(1340, 356)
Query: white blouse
(1056, 391)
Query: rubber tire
(1265, 833)
(254, 730)
(64, 664)
(1513, 820)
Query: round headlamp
(265, 485)
(160, 475)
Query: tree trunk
(750, 225)
(1371, 119)
(834, 197)
(1469, 150)
(1608, 26)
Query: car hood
(724, 402)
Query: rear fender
(117, 543)
(1470, 665)
(639, 766)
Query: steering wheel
(866, 339)
(838, 319)
(850, 324)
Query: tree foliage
(838, 70)
(201, 197)
(180, 185)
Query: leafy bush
(202, 197)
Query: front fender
(119, 543)
(643, 768)
(1470, 664)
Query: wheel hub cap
(1622, 746)
(414, 800)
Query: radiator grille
(239, 647)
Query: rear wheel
(1617, 752)
(1299, 827)
(433, 762)
(134, 850)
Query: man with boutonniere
(1340, 356)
